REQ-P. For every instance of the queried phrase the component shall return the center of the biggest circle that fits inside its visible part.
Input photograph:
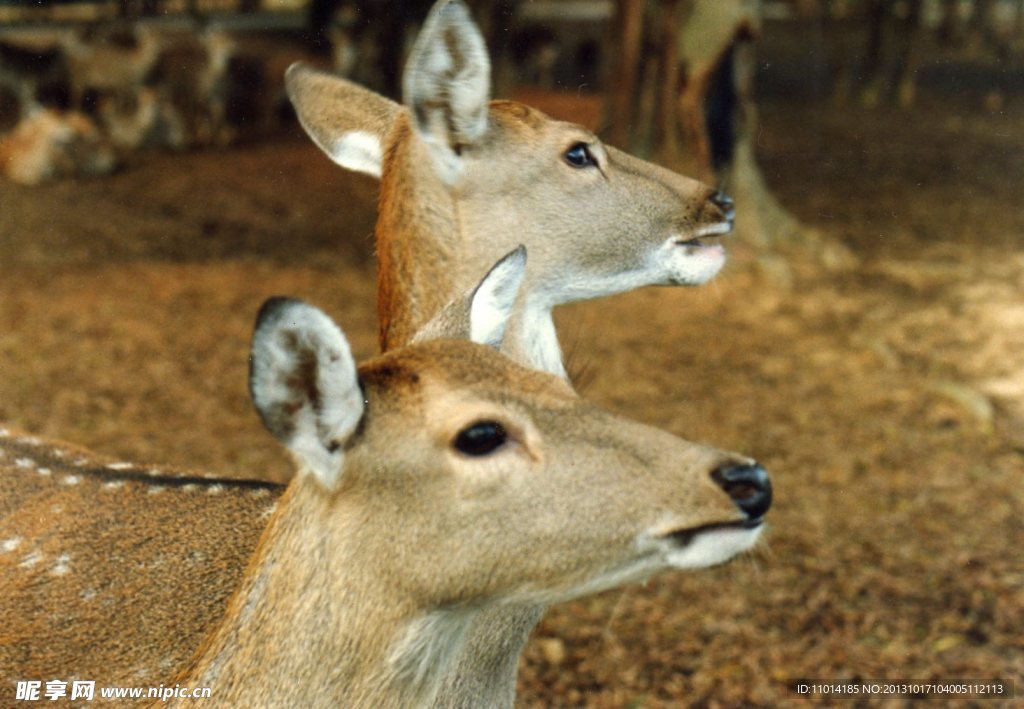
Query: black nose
(749, 487)
(724, 202)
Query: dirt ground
(887, 400)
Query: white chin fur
(712, 547)
(691, 265)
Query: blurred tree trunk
(626, 37)
(704, 118)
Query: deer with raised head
(465, 179)
(435, 482)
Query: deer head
(464, 179)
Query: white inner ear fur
(281, 354)
(494, 299)
(359, 151)
(448, 92)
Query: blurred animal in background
(143, 120)
(30, 76)
(49, 145)
(142, 85)
(108, 61)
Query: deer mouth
(707, 236)
(683, 537)
(710, 544)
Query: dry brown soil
(888, 400)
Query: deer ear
(303, 382)
(492, 303)
(482, 314)
(346, 121)
(447, 85)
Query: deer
(190, 77)
(106, 67)
(464, 179)
(145, 120)
(434, 482)
(49, 145)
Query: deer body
(435, 484)
(110, 551)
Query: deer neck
(313, 624)
(485, 673)
(531, 339)
(419, 240)
(429, 253)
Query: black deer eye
(579, 156)
(482, 438)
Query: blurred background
(865, 341)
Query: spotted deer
(435, 482)
(465, 179)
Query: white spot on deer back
(9, 545)
(31, 560)
(43, 471)
(71, 480)
(113, 484)
(119, 466)
(25, 463)
(214, 489)
(61, 567)
(155, 489)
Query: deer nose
(749, 487)
(724, 202)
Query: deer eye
(579, 156)
(481, 438)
